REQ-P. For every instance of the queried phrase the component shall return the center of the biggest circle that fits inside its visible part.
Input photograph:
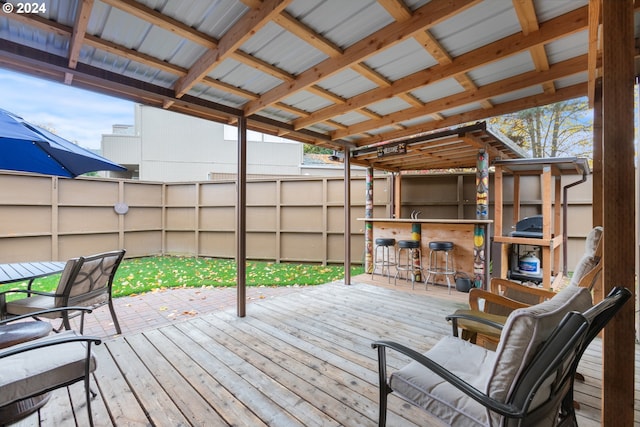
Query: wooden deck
(302, 359)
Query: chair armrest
(476, 294)
(48, 341)
(493, 321)
(41, 312)
(497, 283)
(477, 395)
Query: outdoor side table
(13, 334)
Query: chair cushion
(36, 371)
(426, 389)
(523, 333)
(31, 304)
(492, 372)
(588, 261)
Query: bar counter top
(429, 221)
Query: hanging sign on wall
(391, 150)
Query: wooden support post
(368, 225)
(241, 218)
(498, 194)
(618, 207)
(482, 212)
(397, 195)
(347, 216)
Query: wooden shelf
(550, 172)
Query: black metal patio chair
(85, 282)
(528, 380)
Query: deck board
(302, 359)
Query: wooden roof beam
(165, 22)
(563, 94)
(426, 16)
(307, 34)
(79, 31)
(551, 30)
(512, 84)
(240, 32)
(529, 22)
(595, 13)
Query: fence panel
(288, 219)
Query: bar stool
(383, 245)
(412, 261)
(436, 266)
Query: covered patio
(348, 75)
(302, 358)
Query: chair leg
(65, 321)
(384, 387)
(82, 323)
(382, 417)
(88, 393)
(114, 317)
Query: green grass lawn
(139, 275)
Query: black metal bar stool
(383, 246)
(409, 259)
(438, 266)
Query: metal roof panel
(342, 22)
(519, 94)
(347, 83)
(351, 118)
(243, 76)
(546, 10)
(278, 47)
(567, 47)
(305, 100)
(437, 90)
(405, 58)
(498, 70)
(572, 80)
(477, 26)
(389, 106)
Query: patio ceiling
(332, 73)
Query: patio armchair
(528, 380)
(488, 310)
(85, 282)
(32, 368)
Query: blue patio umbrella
(29, 148)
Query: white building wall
(122, 149)
(171, 147)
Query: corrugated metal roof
(328, 72)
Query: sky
(77, 115)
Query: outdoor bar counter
(469, 236)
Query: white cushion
(492, 372)
(523, 333)
(589, 260)
(35, 371)
(422, 387)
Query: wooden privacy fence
(299, 219)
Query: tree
(314, 149)
(555, 130)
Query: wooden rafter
(424, 17)
(563, 94)
(570, 23)
(595, 12)
(563, 69)
(529, 22)
(79, 30)
(240, 32)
